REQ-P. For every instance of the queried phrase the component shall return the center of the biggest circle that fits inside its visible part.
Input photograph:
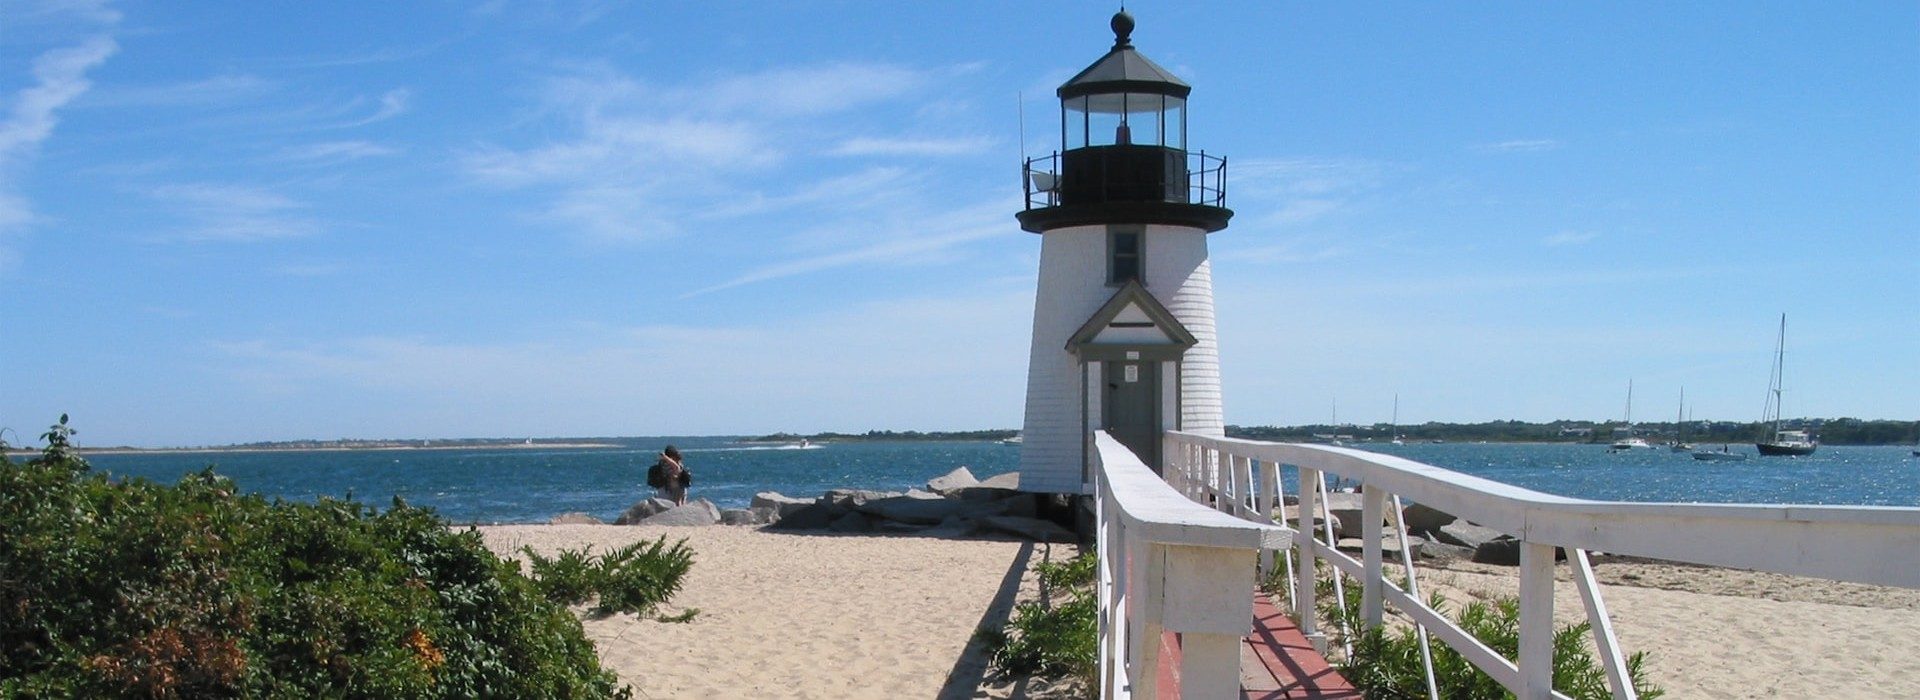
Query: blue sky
(228, 222)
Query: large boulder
(951, 527)
(1033, 529)
(1346, 513)
(697, 513)
(1421, 518)
(921, 511)
(642, 510)
(575, 519)
(852, 498)
(1389, 546)
(1503, 551)
(743, 516)
(852, 523)
(1441, 551)
(815, 516)
(1466, 534)
(1009, 481)
(782, 505)
(956, 479)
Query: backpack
(657, 476)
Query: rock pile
(1431, 534)
(955, 504)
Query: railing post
(1536, 622)
(1372, 501)
(1209, 601)
(1111, 557)
(1303, 576)
(1146, 596)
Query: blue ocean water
(534, 484)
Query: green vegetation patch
(1387, 664)
(1056, 636)
(114, 588)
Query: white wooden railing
(1241, 478)
(1169, 563)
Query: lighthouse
(1123, 326)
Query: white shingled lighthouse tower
(1123, 332)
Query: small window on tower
(1123, 257)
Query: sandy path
(799, 616)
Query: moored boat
(1724, 455)
(1782, 443)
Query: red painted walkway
(1277, 664)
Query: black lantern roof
(1124, 70)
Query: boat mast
(1775, 379)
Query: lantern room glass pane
(1073, 123)
(1175, 118)
(1150, 120)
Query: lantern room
(1123, 141)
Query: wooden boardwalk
(1276, 662)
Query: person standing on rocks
(669, 477)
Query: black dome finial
(1122, 28)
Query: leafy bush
(633, 579)
(1388, 664)
(567, 579)
(639, 577)
(131, 589)
(1058, 635)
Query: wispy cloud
(392, 104)
(98, 11)
(60, 76)
(910, 238)
(1569, 238)
(639, 160)
(870, 146)
(1288, 192)
(1517, 146)
(215, 90)
(334, 152)
(233, 213)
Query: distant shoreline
(339, 448)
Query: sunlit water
(534, 484)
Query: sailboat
(1396, 422)
(1781, 443)
(1679, 443)
(1628, 442)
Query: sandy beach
(829, 616)
(1722, 633)
(805, 615)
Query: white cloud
(908, 241)
(335, 152)
(638, 161)
(60, 76)
(214, 90)
(213, 212)
(1297, 191)
(393, 103)
(869, 146)
(1518, 146)
(1567, 238)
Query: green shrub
(1058, 635)
(567, 579)
(633, 579)
(1387, 664)
(639, 577)
(130, 589)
